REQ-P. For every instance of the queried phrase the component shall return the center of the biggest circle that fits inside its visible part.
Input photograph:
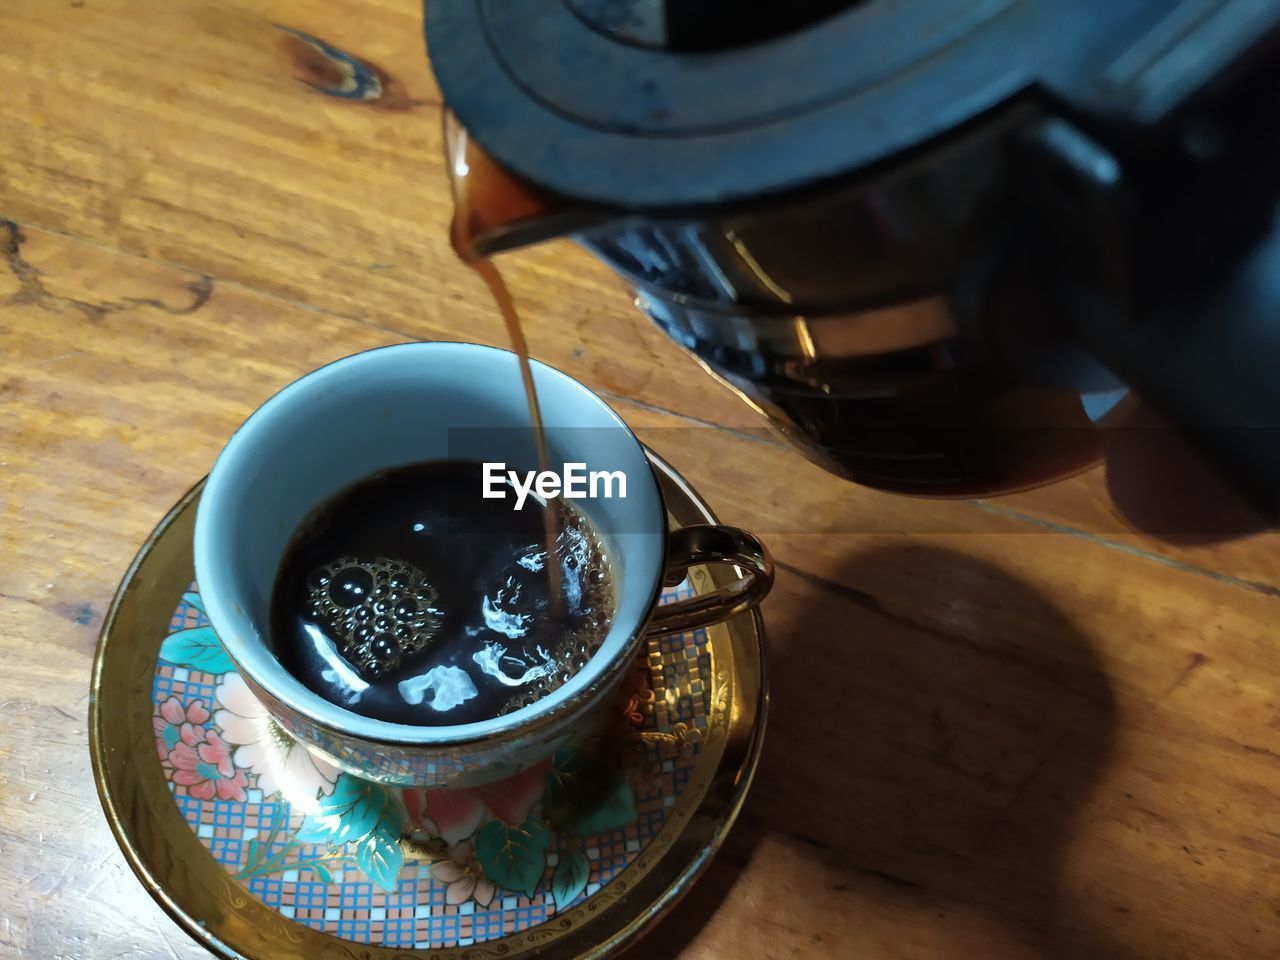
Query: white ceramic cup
(418, 402)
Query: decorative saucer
(260, 851)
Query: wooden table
(1002, 729)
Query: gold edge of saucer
(221, 915)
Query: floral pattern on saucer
(420, 868)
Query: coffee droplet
(349, 586)
(385, 646)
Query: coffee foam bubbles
(378, 611)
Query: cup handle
(705, 543)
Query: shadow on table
(935, 725)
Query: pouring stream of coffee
(486, 199)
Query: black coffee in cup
(410, 597)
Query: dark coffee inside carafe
(797, 306)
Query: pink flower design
(201, 762)
(261, 746)
(174, 718)
(455, 813)
(463, 878)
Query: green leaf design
(279, 863)
(198, 649)
(194, 600)
(362, 813)
(513, 857)
(349, 813)
(570, 877)
(171, 736)
(253, 851)
(379, 854)
(578, 784)
(614, 811)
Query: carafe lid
(673, 105)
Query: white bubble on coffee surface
(449, 686)
(577, 554)
(492, 656)
(502, 613)
(585, 597)
(377, 611)
(337, 672)
(535, 560)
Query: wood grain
(1006, 729)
